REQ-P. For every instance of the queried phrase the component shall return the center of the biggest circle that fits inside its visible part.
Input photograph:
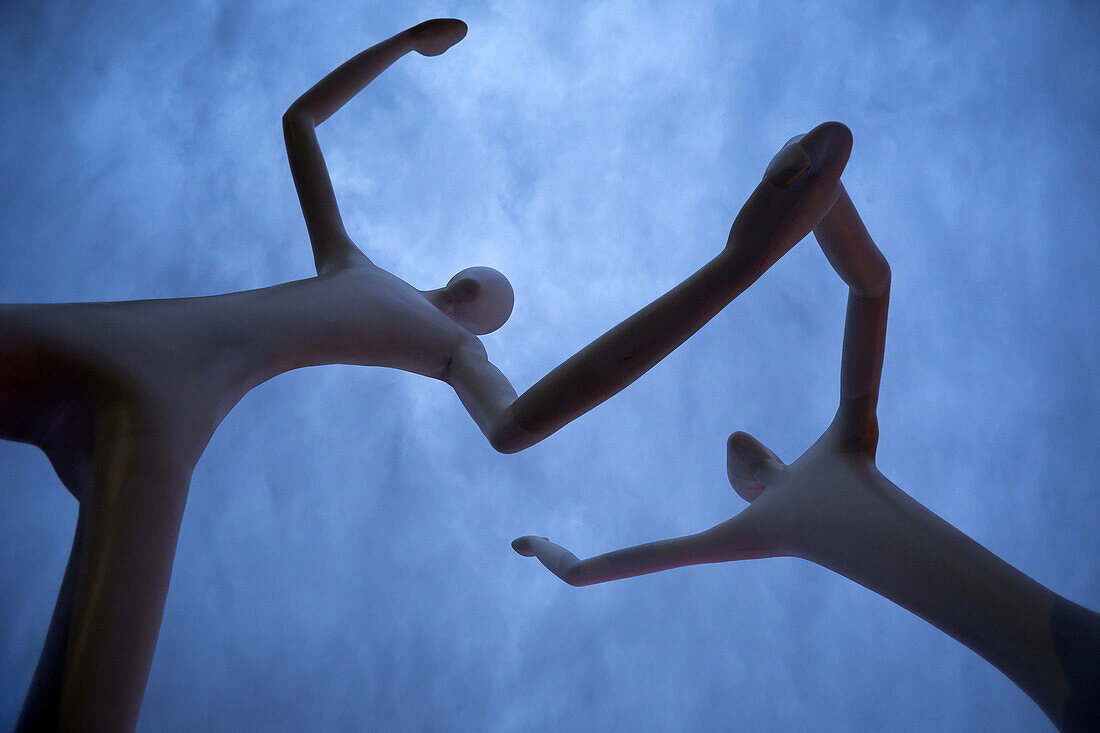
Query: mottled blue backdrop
(344, 561)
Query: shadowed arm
(782, 210)
(854, 256)
(738, 538)
(332, 248)
(751, 466)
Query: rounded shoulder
(378, 319)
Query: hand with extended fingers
(785, 516)
(124, 397)
(833, 507)
(801, 509)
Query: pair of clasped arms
(123, 398)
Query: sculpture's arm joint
(572, 575)
(486, 394)
(295, 116)
(508, 436)
(877, 282)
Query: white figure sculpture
(833, 507)
(123, 397)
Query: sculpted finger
(818, 155)
(789, 163)
(828, 146)
(750, 465)
(526, 545)
(433, 37)
(797, 191)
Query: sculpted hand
(801, 510)
(798, 189)
(810, 508)
(433, 37)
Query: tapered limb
(738, 538)
(100, 646)
(854, 256)
(775, 218)
(332, 247)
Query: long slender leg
(94, 669)
(43, 702)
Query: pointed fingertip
(750, 465)
(788, 165)
(829, 145)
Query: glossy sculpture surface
(124, 397)
(833, 507)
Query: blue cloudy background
(344, 561)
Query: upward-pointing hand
(798, 189)
(433, 37)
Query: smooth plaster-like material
(124, 397)
(833, 507)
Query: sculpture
(833, 507)
(123, 397)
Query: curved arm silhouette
(833, 507)
(123, 397)
(799, 186)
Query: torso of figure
(357, 315)
(181, 364)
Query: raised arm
(798, 189)
(750, 464)
(332, 248)
(833, 507)
(854, 256)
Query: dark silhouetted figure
(123, 397)
(834, 508)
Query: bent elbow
(294, 119)
(499, 445)
(874, 281)
(508, 436)
(882, 278)
(505, 442)
(574, 577)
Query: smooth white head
(480, 299)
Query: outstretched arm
(626, 563)
(750, 465)
(332, 248)
(836, 510)
(798, 189)
(735, 539)
(833, 507)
